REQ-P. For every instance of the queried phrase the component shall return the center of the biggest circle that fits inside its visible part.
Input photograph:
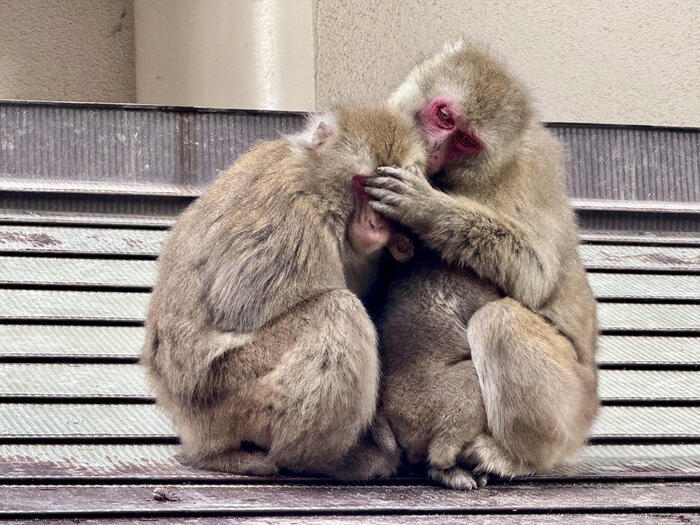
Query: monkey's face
(470, 110)
(448, 134)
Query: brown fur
(502, 227)
(257, 344)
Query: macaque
(257, 342)
(489, 334)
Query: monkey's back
(216, 246)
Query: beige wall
(622, 61)
(67, 50)
(223, 53)
(619, 61)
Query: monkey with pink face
(489, 333)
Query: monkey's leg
(247, 462)
(321, 397)
(463, 420)
(539, 400)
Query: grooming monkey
(257, 343)
(488, 336)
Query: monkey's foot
(383, 436)
(454, 478)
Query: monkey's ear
(320, 134)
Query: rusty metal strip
(641, 258)
(48, 341)
(645, 350)
(138, 462)
(19, 421)
(47, 239)
(98, 241)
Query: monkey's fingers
(397, 173)
(388, 211)
(383, 195)
(387, 183)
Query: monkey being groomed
(489, 334)
(257, 343)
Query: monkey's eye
(445, 119)
(467, 144)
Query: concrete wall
(224, 53)
(631, 61)
(67, 50)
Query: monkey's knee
(490, 322)
(325, 389)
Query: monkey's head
(471, 111)
(343, 147)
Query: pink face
(447, 133)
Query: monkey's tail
(485, 454)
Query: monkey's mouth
(368, 230)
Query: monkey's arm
(469, 234)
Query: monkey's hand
(404, 196)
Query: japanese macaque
(258, 345)
(489, 334)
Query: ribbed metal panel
(77, 241)
(635, 350)
(113, 273)
(81, 341)
(22, 305)
(649, 317)
(639, 221)
(128, 144)
(142, 242)
(647, 422)
(124, 273)
(122, 381)
(48, 341)
(628, 163)
(88, 420)
(186, 146)
(635, 385)
(113, 381)
(640, 286)
(30, 420)
(634, 460)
